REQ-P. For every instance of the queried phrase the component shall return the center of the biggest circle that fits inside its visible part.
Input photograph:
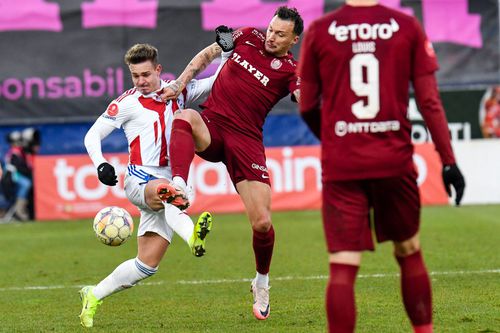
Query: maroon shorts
(346, 212)
(244, 156)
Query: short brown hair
(140, 53)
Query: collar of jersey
(153, 94)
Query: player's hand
(171, 91)
(107, 174)
(453, 177)
(224, 37)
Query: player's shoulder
(127, 97)
(248, 32)
(123, 103)
(289, 60)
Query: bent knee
(186, 115)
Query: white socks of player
(179, 221)
(178, 181)
(126, 275)
(262, 280)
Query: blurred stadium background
(62, 63)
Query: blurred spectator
(491, 124)
(17, 176)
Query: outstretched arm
(195, 67)
(198, 90)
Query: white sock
(262, 280)
(188, 189)
(179, 221)
(126, 275)
(177, 180)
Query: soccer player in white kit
(147, 122)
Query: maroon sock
(423, 329)
(181, 148)
(416, 289)
(340, 302)
(263, 244)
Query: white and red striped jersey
(146, 121)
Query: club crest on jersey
(112, 110)
(276, 63)
(363, 31)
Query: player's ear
(159, 68)
(295, 40)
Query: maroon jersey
(360, 60)
(250, 84)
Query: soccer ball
(113, 225)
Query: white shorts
(136, 179)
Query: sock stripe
(144, 269)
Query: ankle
(262, 280)
(180, 182)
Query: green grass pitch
(43, 265)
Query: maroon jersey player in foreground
(356, 64)
(259, 73)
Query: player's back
(367, 56)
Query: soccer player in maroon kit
(356, 64)
(260, 72)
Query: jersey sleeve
(310, 87)
(424, 57)
(431, 108)
(198, 90)
(93, 138)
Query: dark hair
(140, 53)
(291, 14)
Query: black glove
(107, 174)
(224, 37)
(452, 176)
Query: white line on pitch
(280, 278)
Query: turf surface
(44, 264)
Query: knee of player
(185, 114)
(261, 223)
(406, 248)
